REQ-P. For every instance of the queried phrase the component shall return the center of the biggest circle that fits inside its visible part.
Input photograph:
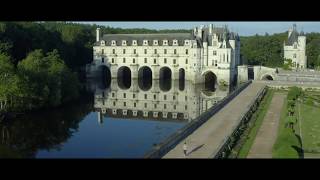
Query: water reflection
(162, 100)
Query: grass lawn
(253, 130)
(287, 144)
(310, 125)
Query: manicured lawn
(259, 115)
(287, 144)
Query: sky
(243, 28)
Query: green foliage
(287, 64)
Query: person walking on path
(185, 149)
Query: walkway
(267, 134)
(207, 139)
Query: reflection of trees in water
(45, 130)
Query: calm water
(117, 120)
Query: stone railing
(161, 149)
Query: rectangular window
(186, 61)
(124, 51)
(227, 57)
(214, 53)
(174, 97)
(133, 95)
(113, 51)
(174, 107)
(185, 107)
(154, 96)
(165, 51)
(102, 51)
(186, 98)
(145, 96)
(134, 51)
(145, 51)
(154, 61)
(145, 60)
(124, 95)
(187, 51)
(124, 103)
(165, 60)
(155, 51)
(133, 60)
(165, 97)
(112, 94)
(174, 61)
(102, 60)
(102, 102)
(145, 105)
(134, 104)
(124, 60)
(164, 106)
(174, 51)
(112, 60)
(155, 105)
(114, 103)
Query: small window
(174, 51)
(174, 97)
(114, 103)
(174, 61)
(294, 55)
(124, 51)
(165, 106)
(186, 61)
(186, 42)
(133, 60)
(155, 105)
(175, 42)
(124, 103)
(154, 96)
(174, 107)
(103, 43)
(165, 42)
(155, 42)
(124, 43)
(186, 98)
(165, 97)
(134, 51)
(214, 53)
(112, 60)
(155, 51)
(165, 51)
(112, 94)
(102, 94)
(145, 60)
(145, 105)
(124, 60)
(145, 42)
(187, 51)
(154, 61)
(134, 104)
(102, 51)
(295, 46)
(113, 51)
(113, 42)
(134, 42)
(145, 51)
(124, 95)
(133, 95)
(102, 60)
(185, 107)
(145, 96)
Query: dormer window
(175, 42)
(145, 42)
(165, 42)
(155, 42)
(124, 43)
(134, 42)
(186, 42)
(113, 42)
(103, 43)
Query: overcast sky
(243, 28)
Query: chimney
(98, 34)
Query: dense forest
(41, 63)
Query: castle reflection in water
(153, 100)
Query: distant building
(295, 48)
(204, 52)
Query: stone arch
(105, 74)
(145, 78)
(165, 78)
(210, 80)
(267, 77)
(124, 77)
